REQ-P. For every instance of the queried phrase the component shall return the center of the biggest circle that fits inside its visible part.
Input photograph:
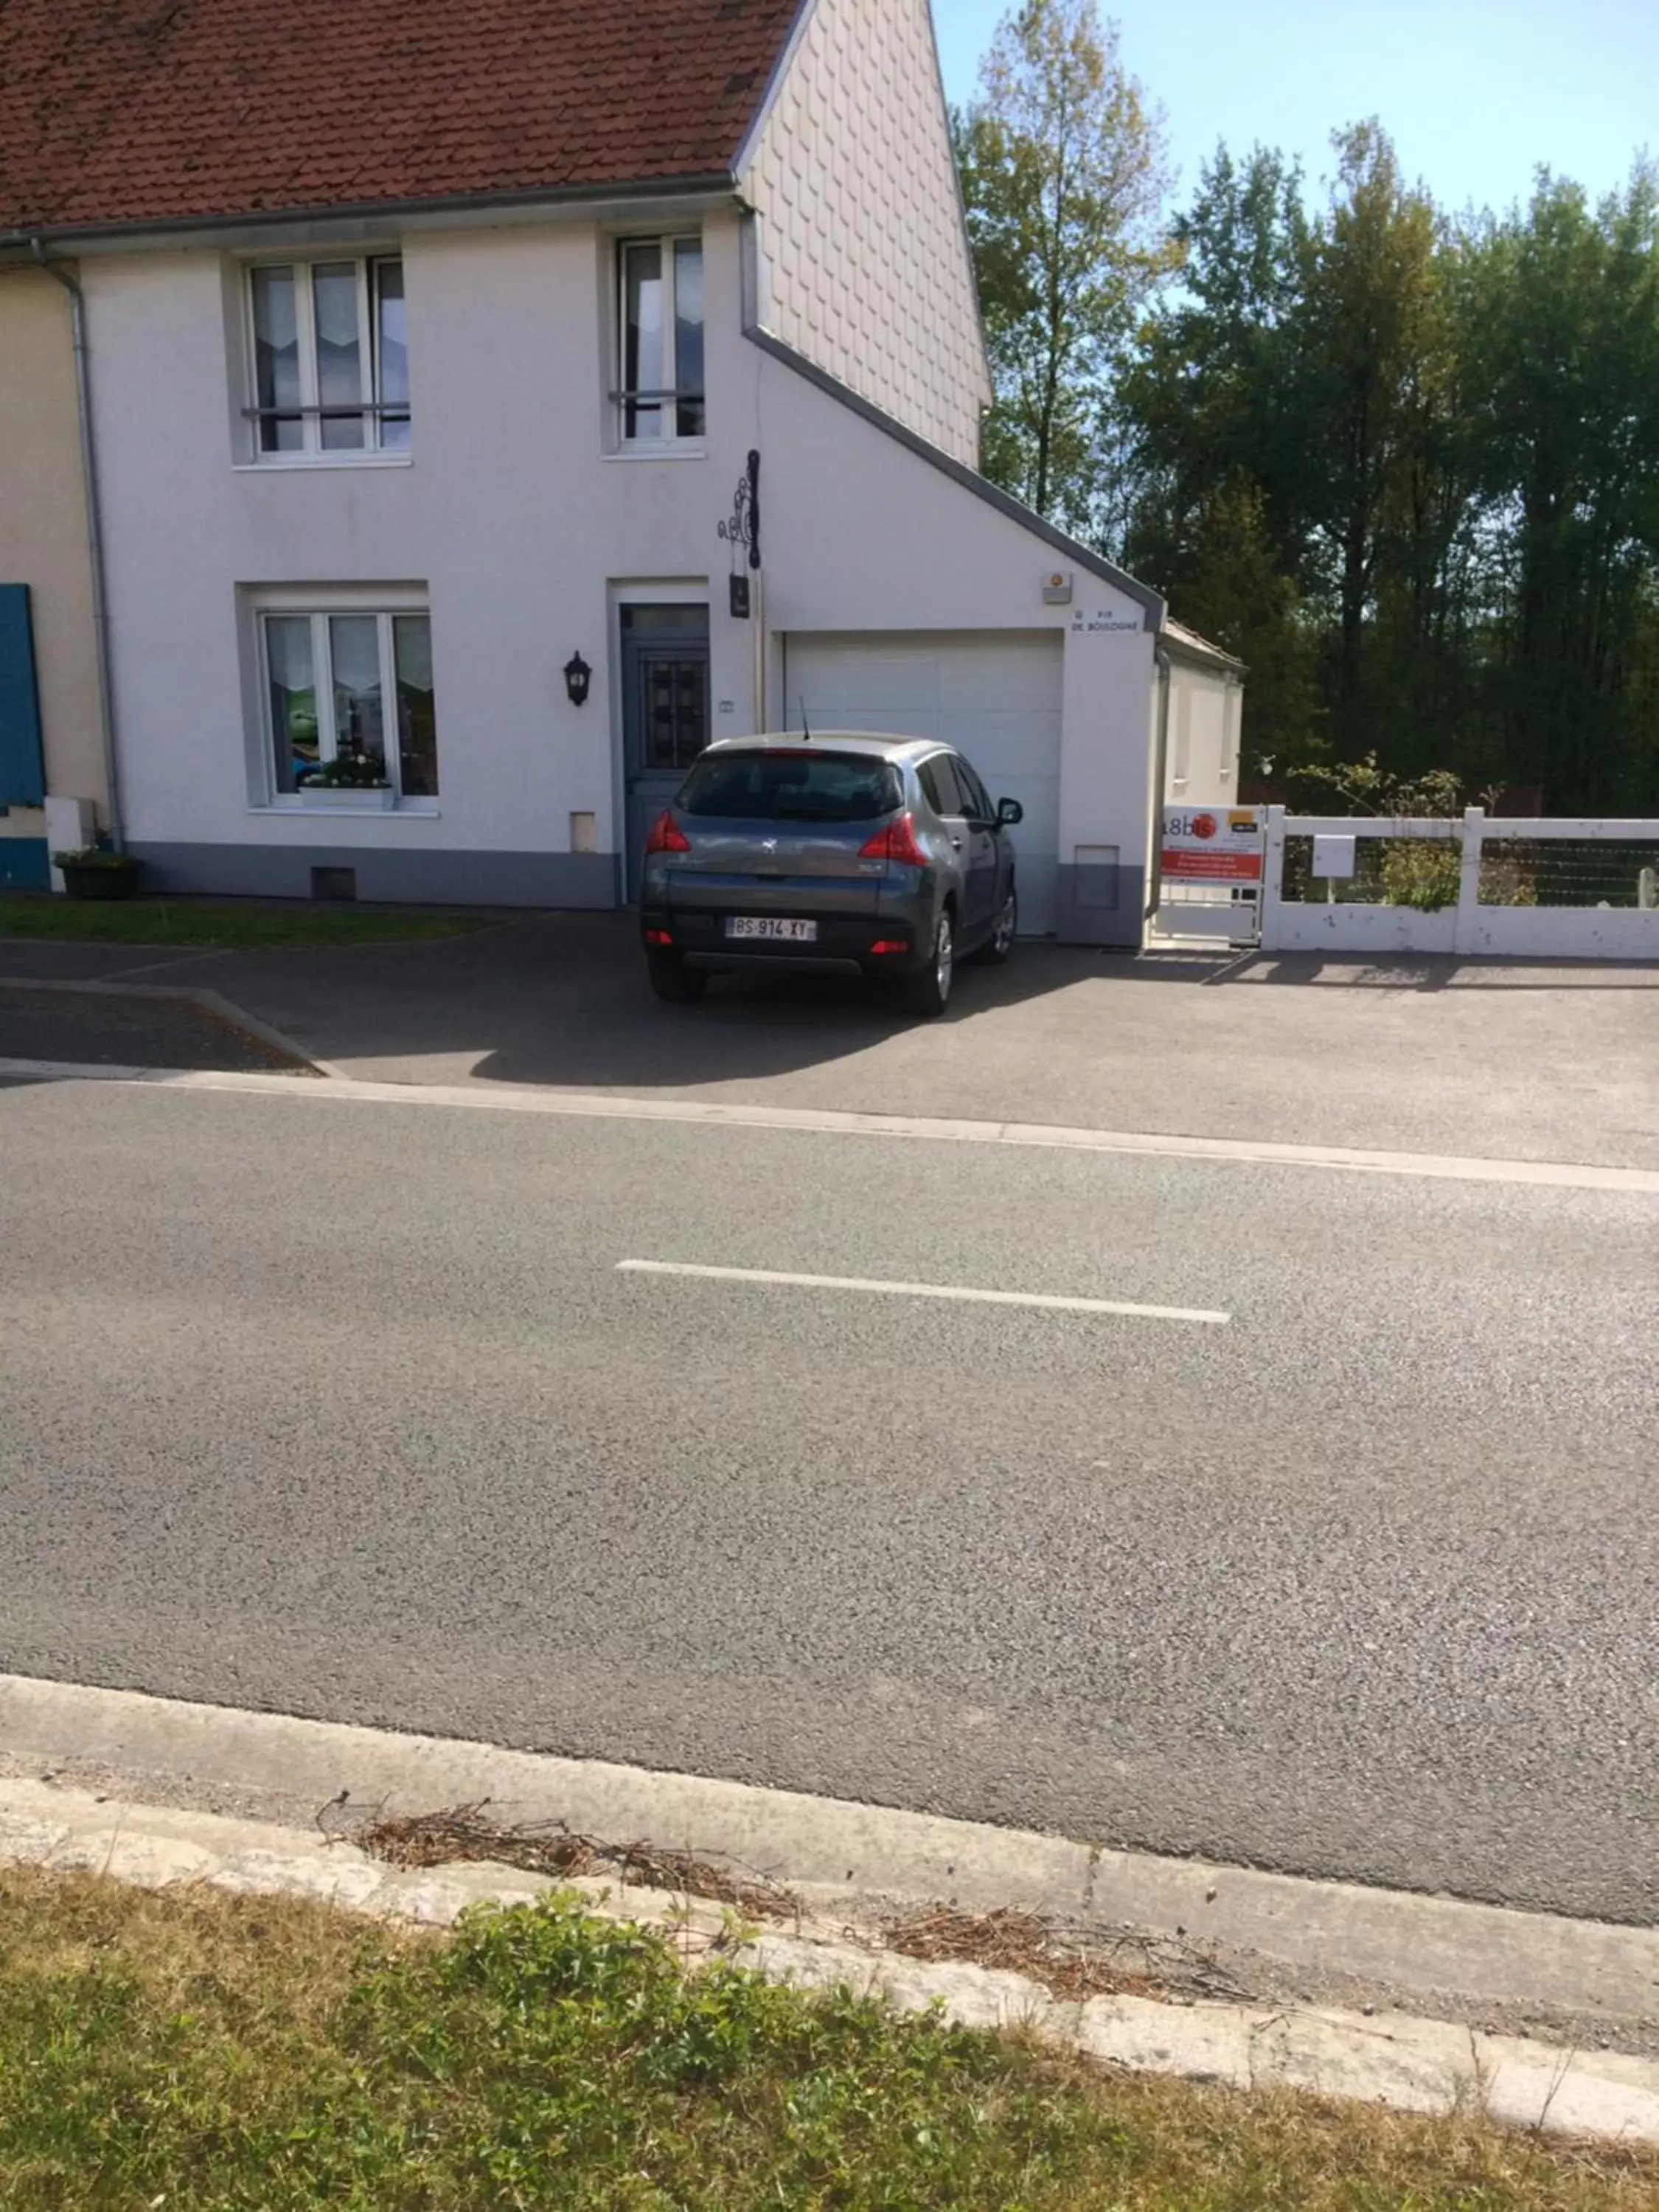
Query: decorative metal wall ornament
(741, 531)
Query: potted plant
(92, 872)
(353, 780)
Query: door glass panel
(674, 697)
(418, 709)
(354, 643)
(688, 336)
(277, 360)
(691, 620)
(643, 365)
(339, 353)
(295, 746)
(392, 353)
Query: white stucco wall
(1205, 715)
(523, 532)
(509, 511)
(866, 269)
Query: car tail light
(667, 835)
(897, 843)
(890, 945)
(660, 936)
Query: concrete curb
(343, 1089)
(1395, 2059)
(1431, 1950)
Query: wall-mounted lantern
(578, 676)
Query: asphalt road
(345, 1409)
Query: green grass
(207, 923)
(204, 2053)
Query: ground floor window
(352, 689)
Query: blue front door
(665, 713)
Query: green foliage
(1451, 434)
(354, 769)
(1063, 179)
(204, 2053)
(225, 924)
(96, 856)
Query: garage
(995, 695)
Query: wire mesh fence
(1417, 872)
(1533, 871)
(1570, 871)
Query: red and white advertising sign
(1214, 844)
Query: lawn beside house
(211, 925)
(188, 2049)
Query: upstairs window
(330, 357)
(659, 288)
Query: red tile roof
(116, 111)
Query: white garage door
(995, 695)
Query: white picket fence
(1525, 889)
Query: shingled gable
(118, 113)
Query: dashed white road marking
(959, 1293)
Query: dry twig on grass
(471, 1832)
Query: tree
(1368, 340)
(1564, 346)
(1063, 175)
(1211, 397)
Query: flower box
(97, 875)
(348, 797)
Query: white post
(1273, 879)
(1467, 937)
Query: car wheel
(929, 992)
(1001, 943)
(674, 983)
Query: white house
(451, 371)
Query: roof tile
(116, 112)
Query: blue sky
(1475, 93)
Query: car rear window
(792, 786)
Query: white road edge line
(606, 1106)
(965, 1297)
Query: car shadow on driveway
(564, 999)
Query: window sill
(283, 464)
(295, 810)
(663, 453)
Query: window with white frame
(660, 344)
(354, 689)
(330, 350)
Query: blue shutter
(22, 768)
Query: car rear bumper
(845, 944)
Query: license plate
(773, 929)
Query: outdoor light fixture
(577, 678)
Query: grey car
(837, 854)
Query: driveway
(1506, 1060)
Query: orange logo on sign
(1204, 825)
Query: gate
(1207, 885)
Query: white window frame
(668, 437)
(304, 268)
(320, 608)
